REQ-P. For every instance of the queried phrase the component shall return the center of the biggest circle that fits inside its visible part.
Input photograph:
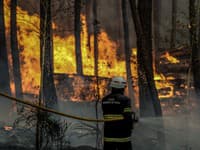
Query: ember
(8, 128)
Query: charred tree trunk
(127, 51)
(196, 64)
(149, 102)
(145, 56)
(96, 52)
(145, 12)
(77, 32)
(173, 30)
(15, 52)
(48, 90)
(88, 18)
(5, 104)
(47, 87)
(195, 46)
(96, 67)
(4, 78)
(156, 30)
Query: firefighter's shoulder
(123, 98)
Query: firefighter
(117, 134)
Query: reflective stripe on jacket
(126, 139)
(108, 117)
(127, 109)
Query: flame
(64, 56)
(12, 87)
(165, 88)
(64, 51)
(163, 84)
(7, 128)
(170, 58)
(28, 40)
(108, 65)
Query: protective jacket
(117, 106)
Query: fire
(163, 85)
(64, 52)
(28, 40)
(170, 58)
(12, 88)
(7, 128)
(64, 56)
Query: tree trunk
(148, 96)
(5, 104)
(88, 13)
(195, 46)
(156, 31)
(15, 53)
(48, 91)
(96, 69)
(127, 52)
(4, 78)
(96, 52)
(47, 88)
(173, 30)
(196, 64)
(77, 32)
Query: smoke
(165, 15)
(179, 130)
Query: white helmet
(118, 82)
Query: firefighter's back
(113, 108)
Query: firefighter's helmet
(118, 82)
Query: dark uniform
(117, 134)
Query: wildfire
(64, 51)
(163, 85)
(64, 55)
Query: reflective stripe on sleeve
(113, 117)
(127, 109)
(108, 139)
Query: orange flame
(64, 55)
(7, 128)
(162, 83)
(170, 58)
